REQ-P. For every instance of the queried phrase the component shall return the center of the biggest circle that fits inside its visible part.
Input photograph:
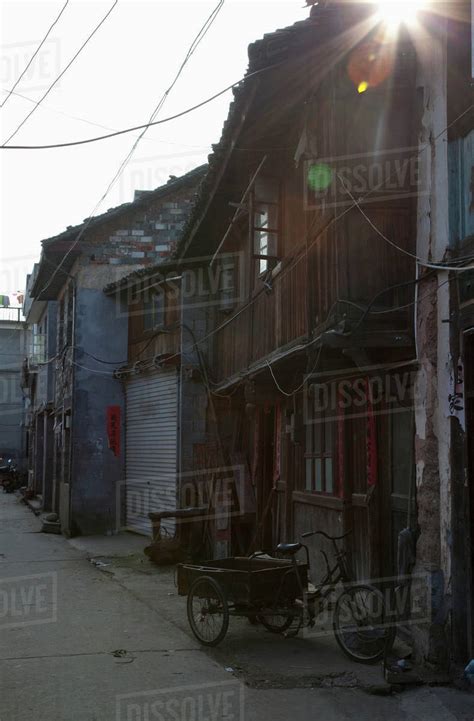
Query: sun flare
(396, 12)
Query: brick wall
(142, 236)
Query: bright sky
(116, 82)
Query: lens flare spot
(319, 176)
(370, 64)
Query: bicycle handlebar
(307, 534)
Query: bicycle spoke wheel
(361, 624)
(208, 612)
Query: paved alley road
(76, 645)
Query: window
(37, 345)
(154, 311)
(320, 446)
(65, 318)
(265, 223)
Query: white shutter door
(151, 448)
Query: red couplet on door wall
(113, 428)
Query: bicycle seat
(289, 549)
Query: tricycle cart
(275, 592)
(239, 586)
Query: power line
(314, 240)
(202, 32)
(100, 125)
(35, 54)
(94, 370)
(192, 109)
(100, 360)
(197, 40)
(355, 203)
(419, 152)
(46, 93)
(301, 257)
(290, 394)
(150, 140)
(424, 263)
(145, 125)
(413, 302)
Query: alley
(103, 648)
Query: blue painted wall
(12, 353)
(101, 329)
(45, 381)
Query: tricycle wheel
(275, 622)
(362, 625)
(208, 611)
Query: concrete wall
(43, 424)
(45, 379)
(434, 382)
(100, 330)
(12, 353)
(143, 235)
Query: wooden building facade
(308, 211)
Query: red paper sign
(113, 428)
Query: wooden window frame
(161, 314)
(327, 442)
(271, 257)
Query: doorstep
(120, 545)
(34, 504)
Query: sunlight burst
(395, 12)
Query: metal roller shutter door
(151, 448)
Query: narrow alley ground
(81, 642)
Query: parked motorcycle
(9, 476)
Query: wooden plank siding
(290, 300)
(334, 266)
(353, 264)
(148, 343)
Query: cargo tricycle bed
(239, 586)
